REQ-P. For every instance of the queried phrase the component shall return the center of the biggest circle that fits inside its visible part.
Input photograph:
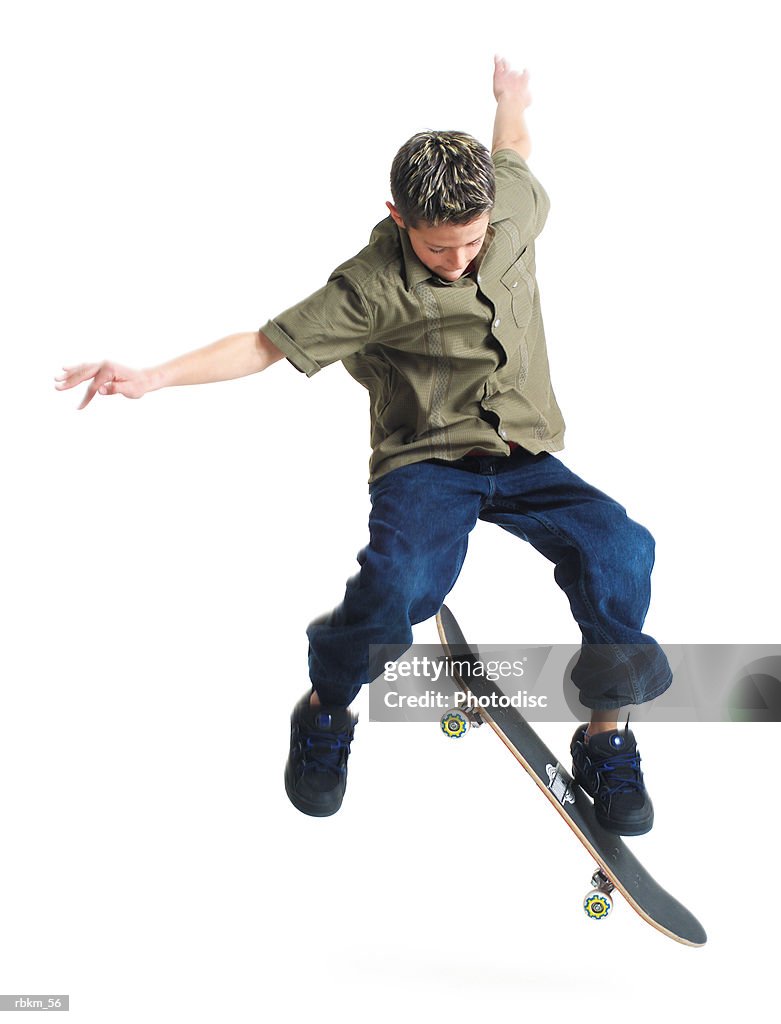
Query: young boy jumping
(438, 317)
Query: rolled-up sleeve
(330, 325)
(519, 196)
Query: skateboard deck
(618, 868)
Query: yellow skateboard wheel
(454, 724)
(597, 905)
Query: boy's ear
(397, 218)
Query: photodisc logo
(711, 682)
(420, 686)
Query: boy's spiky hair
(442, 178)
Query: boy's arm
(511, 89)
(238, 355)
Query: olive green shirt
(449, 366)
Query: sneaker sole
(314, 810)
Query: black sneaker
(607, 767)
(316, 770)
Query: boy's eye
(476, 242)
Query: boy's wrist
(154, 378)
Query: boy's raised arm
(238, 355)
(511, 89)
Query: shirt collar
(414, 270)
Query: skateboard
(617, 867)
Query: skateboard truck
(598, 902)
(473, 715)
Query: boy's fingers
(111, 387)
(83, 370)
(89, 395)
(72, 375)
(127, 388)
(100, 383)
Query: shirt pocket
(519, 282)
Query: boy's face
(447, 249)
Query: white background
(173, 173)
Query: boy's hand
(235, 356)
(509, 84)
(511, 89)
(107, 379)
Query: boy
(439, 318)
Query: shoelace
(616, 763)
(325, 751)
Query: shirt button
(503, 434)
(479, 279)
(497, 321)
(515, 284)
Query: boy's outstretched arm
(511, 89)
(238, 355)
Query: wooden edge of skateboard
(552, 800)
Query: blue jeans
(419, 527)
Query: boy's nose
(456, 260)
